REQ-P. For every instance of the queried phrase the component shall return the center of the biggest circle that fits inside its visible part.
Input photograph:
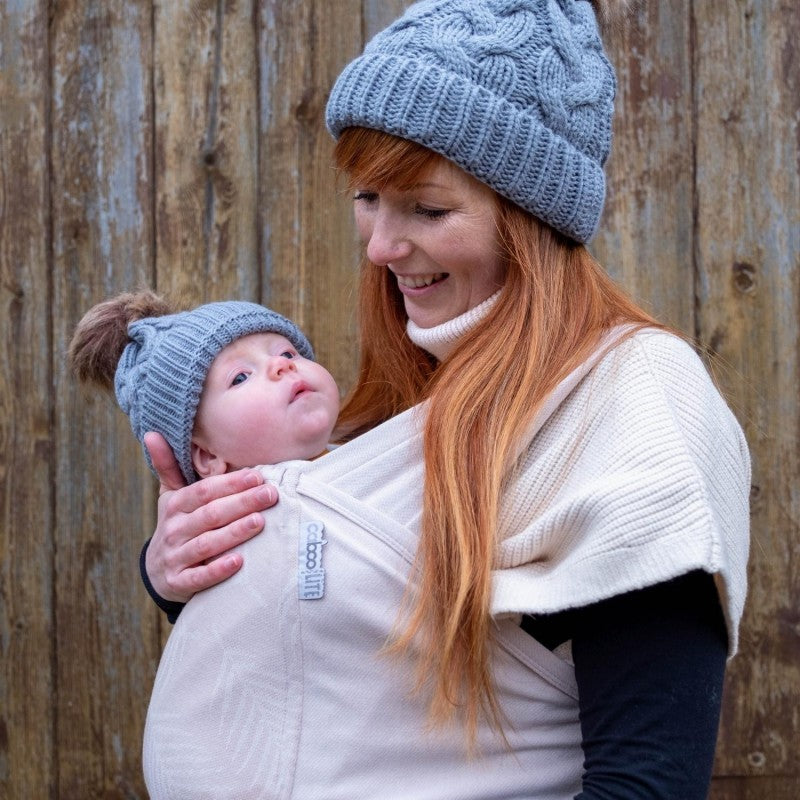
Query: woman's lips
(419, 281)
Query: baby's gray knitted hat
(162, 370)
(519, 93)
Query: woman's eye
(431, 213)
(239, 377)
(365, 197)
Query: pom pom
(102, 334)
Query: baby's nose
(280, 365)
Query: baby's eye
(288, 354)
(239, 377)
(431, 213)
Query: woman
(584, 483)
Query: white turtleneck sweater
(442, 339)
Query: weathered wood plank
(645, 238)
(238, 199)
(205, 175)
(308, 240)
(755, 788)
(27, 652)
(748, 254)
(106, 635)
(380, 13)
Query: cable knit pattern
(441, 340)
(519, 93)
(161, 373)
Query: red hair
(551, 312)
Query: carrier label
(310, 574)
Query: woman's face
(438, 239)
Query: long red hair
(554, 306)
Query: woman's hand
(197, 524)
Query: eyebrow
(429, 185)
(409, 187)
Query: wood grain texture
(747, 90)
(380, 13)
(182, 145)
(206, 174)
(308, 241)
(106, 648)
(755, 788)
(645, 239)
(27, 649)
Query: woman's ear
(206, 463)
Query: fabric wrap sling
(274, 684)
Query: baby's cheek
(251, 437)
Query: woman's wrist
(172, 608)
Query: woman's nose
(280, 366)
(386, 242)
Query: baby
(229, 384)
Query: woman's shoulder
(669, 352)
(659, 362)
(660, 394)
(660, 354)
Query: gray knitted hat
(161, 372)
(519, 93)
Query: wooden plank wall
(181, 145)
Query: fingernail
(232, 562)
(266, 494)
(252, 478)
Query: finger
(225, 516)
(213, 544)
(185, 577)
(164, 462)
(204, 576)
(211, 493)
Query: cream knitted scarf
(634, 471)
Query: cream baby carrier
(274, 684)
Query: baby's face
(263, 403)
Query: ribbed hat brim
(507, 148)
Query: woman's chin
(428, 317)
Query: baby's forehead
(254, 343)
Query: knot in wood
(744, 277)
(309, 107)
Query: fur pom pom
(102, 334)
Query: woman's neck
(442, 339)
